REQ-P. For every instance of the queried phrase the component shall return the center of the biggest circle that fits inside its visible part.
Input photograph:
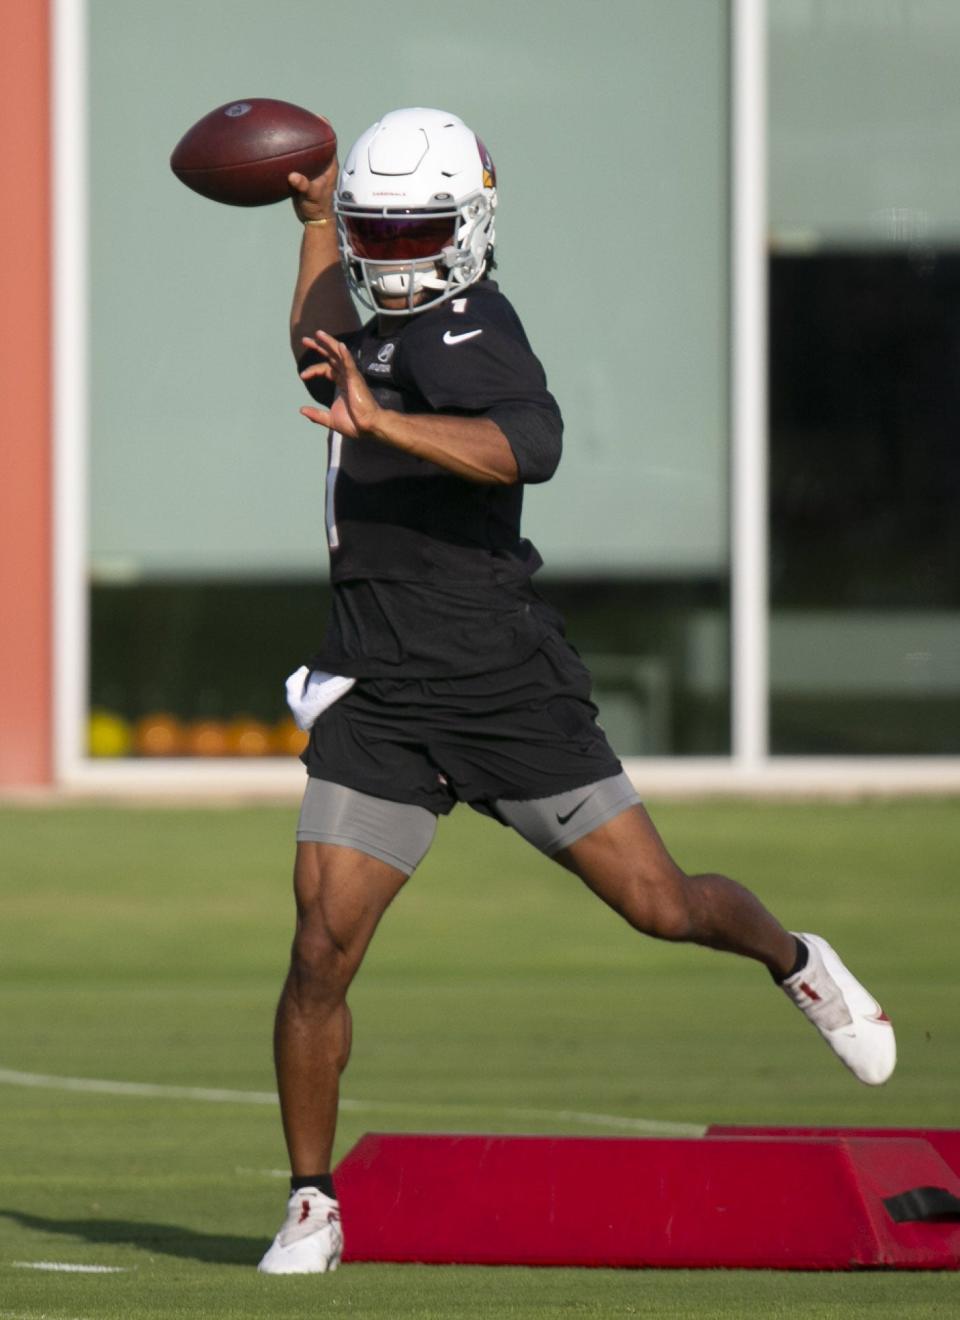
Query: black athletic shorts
(525, 732)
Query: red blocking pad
(750, 1202)
(945, 1141)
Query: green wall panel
(608, 123)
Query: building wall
(25, 379)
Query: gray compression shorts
(400, 833)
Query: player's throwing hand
(313, 198)
(354, 411)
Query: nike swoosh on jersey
(450, 338)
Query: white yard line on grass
(149, 1090)
(66, 1268)
(146, 1090)
(37, 1315)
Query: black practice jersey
(430, 573)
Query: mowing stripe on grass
(218, 1095)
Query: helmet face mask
(415, 210)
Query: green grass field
(147, 945)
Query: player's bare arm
(471, 447)
(321, 297)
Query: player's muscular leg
(341, 895)
(625, 862)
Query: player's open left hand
(354, 412)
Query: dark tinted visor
(399, 238)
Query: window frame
(748, 768)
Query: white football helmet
(415, 206)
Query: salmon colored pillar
(26, 723)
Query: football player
(443, 676)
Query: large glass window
(609, 128)
(865, 401)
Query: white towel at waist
(311, 691)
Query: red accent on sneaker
(880, 1016)
(807, 990)
(304, 1211)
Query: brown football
(241, 153)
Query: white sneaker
(310, 1240)
(847, 1016)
